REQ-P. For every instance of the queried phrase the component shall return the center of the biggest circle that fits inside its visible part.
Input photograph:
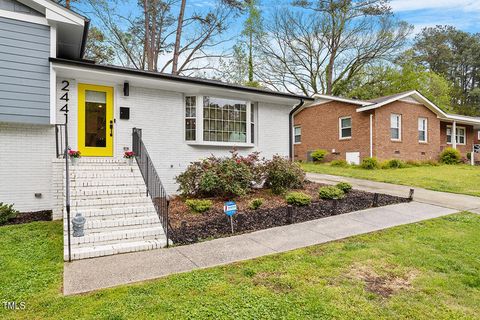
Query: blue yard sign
(230, 208)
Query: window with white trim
(190, 118)
(396, 127)
(345, 126)
(478, 135)
(253, 115)
(422, 129)
(460, 135)
(224, 120)
(297, 132)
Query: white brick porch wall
(26, 165)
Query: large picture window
(224, 120)
(395, 127)
(460, 135)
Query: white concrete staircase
(120, 217)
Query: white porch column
(371, 135)
(454, 135)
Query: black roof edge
(171, 77)
(84, 37)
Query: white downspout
(472, 155)
(454, 135)
(371, 135)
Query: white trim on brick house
(341, 128)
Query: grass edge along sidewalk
(376, 275)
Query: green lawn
(429, 270)
(463, 179)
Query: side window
(345, 127)
(395, 127)
(297, 134)
(190, 118)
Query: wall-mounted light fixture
(126, 89)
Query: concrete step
(106, 192)
(101, 175)
(107, 237)
(100, 224)
(114, 213)
(110, 249)
(85, 167)
(105, 203)
(95, 183)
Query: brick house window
(345, 127)
(395, 127)
(297, 134)
(478, 135)
(190, 118)
(460, 135)
(422, 129)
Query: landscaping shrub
(298, 199)
(282, 174)
(344, 186)
(319, 155)
(7, 212)
(199, 205)
(450, 156)
(339, 163)
(394, 164)
(212, 177)
(255, 203)
(370, 164)
(330, 192)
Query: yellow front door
(95, 120)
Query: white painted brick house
(182, 120)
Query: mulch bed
(26, 217)
(188, 227)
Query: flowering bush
(129, 154)
(282, 174)
(211, 177)
(74, 154)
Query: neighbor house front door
(95, 120)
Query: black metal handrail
(61, 136)
(152, 181)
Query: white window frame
(199, 124)
(295, 134)
(457, 140)
(340, 128)
(185, 118)
(421, 119)
(399, 127)
(478, 135)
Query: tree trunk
(146, 44)
(176, 51)
(250, 59)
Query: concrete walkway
(97, 273)
(444, 199)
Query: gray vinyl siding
(24, 72)
(15, 6)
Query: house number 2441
(64, 97)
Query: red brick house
(405, 126)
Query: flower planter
(130, 161)
(74, 161)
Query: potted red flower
(74, 156)
(129, 155)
